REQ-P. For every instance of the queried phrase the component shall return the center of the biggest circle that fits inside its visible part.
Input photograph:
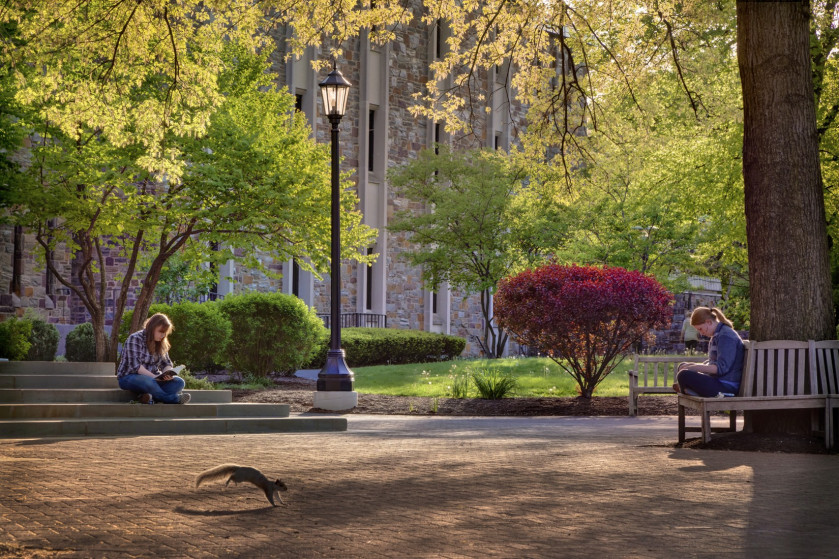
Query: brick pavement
(421, 487)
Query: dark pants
(701, 384)
(690, 345)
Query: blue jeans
(701, 384)
(168, 392)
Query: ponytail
(721, 317)
(701, 314)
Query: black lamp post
(335, 375)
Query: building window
(295, 278)
(438, 39)
(298, 102)
(371, 141)
(368, 304)
(372, 7)
(213, 294)
(498, 141)
(434, 302)
(50, 278)
(16, 285)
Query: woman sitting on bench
(720, 374)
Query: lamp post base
(335, 401)
(335, 384)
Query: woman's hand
(165, 376)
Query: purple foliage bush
(584, 318)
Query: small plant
(459, 387)
(258, 380)
(435, 405)
(193, 383)
(492, 384)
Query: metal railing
(357, 320)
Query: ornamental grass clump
(584, 318)
(492, 384)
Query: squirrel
(237, 474)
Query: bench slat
(759, 389)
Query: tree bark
(789, 270)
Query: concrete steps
(88, 395)
(125, 411)
(45, 399)
(124, 427)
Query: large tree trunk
(785, 216)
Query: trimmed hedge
(14, 338)
(272, 332)
(44, 340)
(80, 345)
(384, 346)
(200, 337)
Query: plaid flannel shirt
(136, 353)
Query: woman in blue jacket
(721, 373)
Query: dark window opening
(369, 295)
(16, 285)
(372, 7)
(295, 278)
(213, 294)
(434, 302)
(438, 45)
(371, 141)
(50, 278)
(298, 102)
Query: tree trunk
(785, 217)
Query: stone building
(377, 133)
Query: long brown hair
(701, 314)
(151, 325)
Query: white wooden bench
(826, 357)
(777, 374)
(654, 374)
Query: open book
(173, 370)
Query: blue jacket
(726, 351)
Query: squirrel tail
(219, 472)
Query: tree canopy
(233, 167)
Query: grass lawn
(536, 376)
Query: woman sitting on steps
(145, 367)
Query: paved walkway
(422, 487)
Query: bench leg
(706, 425)
(732, 417)
(828, 425)
(633, 404)
(681, 423)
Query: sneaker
(145, 399)
(184, 398)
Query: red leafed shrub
(584, 318)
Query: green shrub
(492, 384)
(193, 383)
(80, 344)
(200, 337)
(44, 339)
(14, 338)
(272, 332)
(387, 346)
